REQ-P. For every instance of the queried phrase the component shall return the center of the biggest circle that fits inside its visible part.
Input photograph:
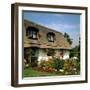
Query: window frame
(51, 37)
(32, 33)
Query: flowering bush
(69, 67)
(46, 65)
(64, 67)
(54, 64)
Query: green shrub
(58, 64)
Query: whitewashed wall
(66, 54)
(43, 55)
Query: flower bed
(66, 67)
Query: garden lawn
(30, 72)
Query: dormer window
(50, 36)
(31, 32)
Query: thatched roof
(42, 42)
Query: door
(34, 57)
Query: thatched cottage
(42, 43)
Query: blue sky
(69, 23)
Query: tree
(79, 48)
(76, 51)
(68, 38)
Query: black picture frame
(15, 47)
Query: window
(31, 32)
(50, 37)
(50, 52)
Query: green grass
(30, 72)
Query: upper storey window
(31, 32)
(50, 36)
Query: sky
(62, 22)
